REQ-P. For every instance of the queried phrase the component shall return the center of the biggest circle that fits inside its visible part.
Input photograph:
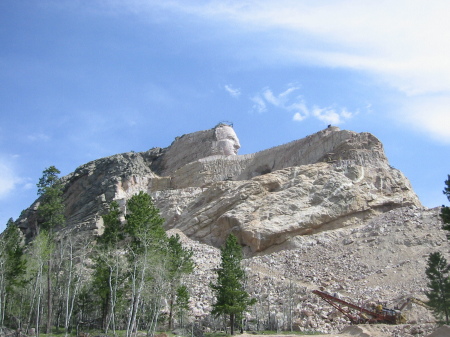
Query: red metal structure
(358, 314)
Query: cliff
(331, 179)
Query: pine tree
(231, 297)
(179, 263)
(12, 268)
(51, 207)
(439, 285)
(147, 253)
(14, 249)
(445, 211)
(182, 303)
(51, 216)
(144, 223)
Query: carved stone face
(227, 143)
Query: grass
(122, 333)
(266, 332)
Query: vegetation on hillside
(438, 271)
(231, 297)
(120, 280)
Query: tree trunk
(49, 298)
(232, 324)
(171, 311)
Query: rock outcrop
(332, 179)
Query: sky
(85, 79)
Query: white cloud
(298, 117)
(29, 186)
(427, 115)
(346, 114)
(232, 91)
(291, 102)
(8, 178)
(38, 137)
(300, 110)
(402, 43)
(259, 105)
(327, 115)
(269, 97)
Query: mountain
(326, 211)
(269, 199)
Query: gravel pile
(383, 261)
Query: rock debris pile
(383, 262)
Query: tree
(72, 271)
(12, 264)
(146, 254)
(179, 262)
(51, 207)
(144, 221)
(445, 211)
(439, 285)
(40, 252)
(51, 214)
(182, 303)
(231, 297)
(109, 265)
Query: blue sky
(81, 80)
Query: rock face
(332, 179)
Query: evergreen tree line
(120, 280)
(438, 271)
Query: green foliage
(40, 251)
(182, 303)
(151, 267)
(183, 298)
(113, 232)
(109, 271)
(439, 284)
(445, 211)
(144, 223)
(136, 269)
(51, 208)
(15, 263)
(231, 297)
(179, 262)
(180, 259)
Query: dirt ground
(366, 331)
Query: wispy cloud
(232, 91)
(403, 43)
(259, 105)
(8, 177)
(331, 115)
(38, 137)
(429, 115)
(290, 101)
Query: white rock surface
(332, 179)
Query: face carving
(227, 143)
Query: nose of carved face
(236, 145)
